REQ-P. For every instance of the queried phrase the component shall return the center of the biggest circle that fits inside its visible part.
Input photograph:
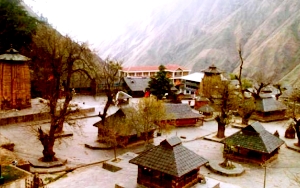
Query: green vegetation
(160, 84)
(11, 174)
(16, 26)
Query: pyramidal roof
(254, 137)
(170, 157)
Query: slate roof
(254, 137)
(13, 55)
(269, 105)
(137, 84)
(206, 108)
(113, 112)
(181, 111)
(212, 69)
(170, 157)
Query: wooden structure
(14, 81)
(252, 144)
(269, 109)
(211, 81)
(136, 86)
(206, 110)
(182, 115)
(126, 133)
(201, 101)
(168, 165)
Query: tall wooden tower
(210, 82)
(14, 81)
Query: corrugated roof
(169, 67)
(175, 159)
(195, 77)
(254, 137)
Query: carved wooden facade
(14, 81)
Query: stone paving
(283, 172)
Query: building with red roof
(175, 72)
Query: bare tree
(110, 79)
(54, 59)
(247, 105)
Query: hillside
(196, 34)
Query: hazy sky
(92, 21)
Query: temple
(14, 81)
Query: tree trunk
(47, 141)
(297, 128)
(103, 115)
(60, 127)
(245, 121)
(115, 152)
(221, 130)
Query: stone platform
(38, 111)
(215, 167)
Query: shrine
(14, 81)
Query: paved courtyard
(283, 172)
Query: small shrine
(169, 164)
(14, 81)
(252, 144)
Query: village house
(169, 165)
(252, 144)
(136, 86)
(182, 115)
(174, 72)
(191, 83)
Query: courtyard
(84, 165)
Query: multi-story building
(174, 72)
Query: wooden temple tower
(14, 81)
(211, 82)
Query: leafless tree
(246, 105)
(55, 59)
(110, 79)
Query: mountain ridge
(196, 34)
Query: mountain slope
(196, 34)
